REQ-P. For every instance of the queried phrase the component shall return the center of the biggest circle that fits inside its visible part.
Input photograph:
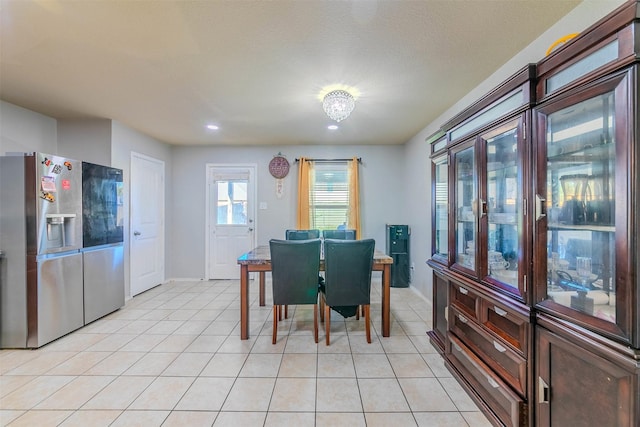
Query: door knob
(136, 233)
(251, 229)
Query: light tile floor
(173, 357)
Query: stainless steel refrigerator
(41, 295)
(103, 252)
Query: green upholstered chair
(339, 234)
(348, 265)
(295, 265)
(301, 234)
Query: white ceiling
(255, 68)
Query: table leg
(386, 300)
(262, 289)
(244, 302)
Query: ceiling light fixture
(213, 127)
(338, 104)
(332, 127)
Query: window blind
(329, 195)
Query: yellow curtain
(304, 172)
(354, 198)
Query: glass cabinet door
(441, 208)
(466, 203)
(501, 202)
(584, 185)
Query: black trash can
(398, 249)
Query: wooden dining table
(259, 260)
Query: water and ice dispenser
(61, 232)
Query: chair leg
(358, 313)
(280, 312)
(367, 327)
(321, 302)
(286, 311)
(327, 322)
(276, 310)
(315, 322)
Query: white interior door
(230, 214)
(147, 223)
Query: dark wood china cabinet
(536, 288)
(586, 248)
(481, 270)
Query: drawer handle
(543, 391)
(499, 347)
(499, 311)
(457, 347)
(463, 291)
(492, 382)
(462, 318)
(446, 313)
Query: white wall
(418, 176)
(381, 197)
(23, 131)
(96, 140)
(85, 139)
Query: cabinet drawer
(507, 324)
(500, 357)
(510, 408)
(465, 299)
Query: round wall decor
(279, 167)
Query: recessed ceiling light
(213, 127)
(332, 127)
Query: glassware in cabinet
(583, 149)
(465, 203)
(501, 202)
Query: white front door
(230, 218)
(147, 223)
